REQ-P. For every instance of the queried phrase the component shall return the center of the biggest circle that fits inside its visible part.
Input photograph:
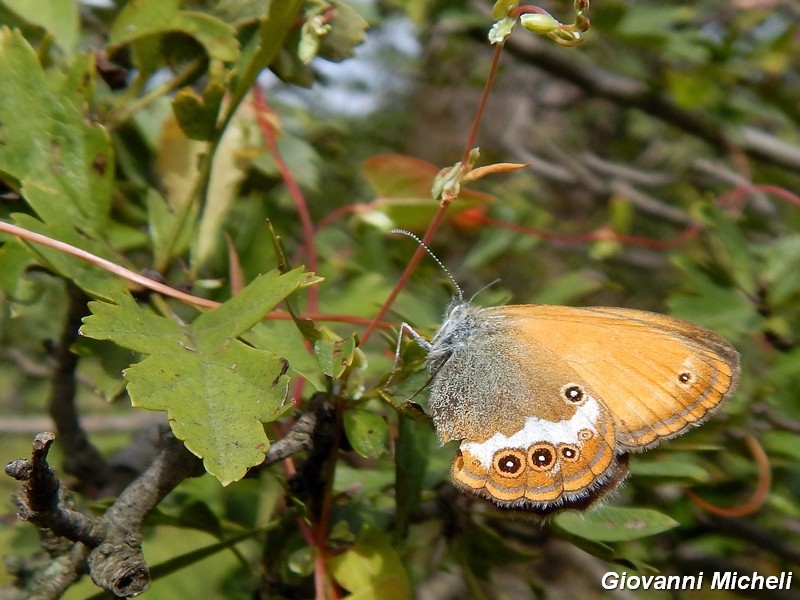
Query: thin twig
(267, 132)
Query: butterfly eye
(542, 457)
(686, 378)
(510, 463)
(573, 393)
(568, 452)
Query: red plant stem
(774, 190)
(487, 88)
(308, 533)
(759, 495)
(156, 286)
(146, 282)
(262, 109)
(527, 9)
(342, 211)
(412, 264)
(316, 535)
(327, 501)
(433, 226)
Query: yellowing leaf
(372, 569)
(403, 187)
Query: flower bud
(539, 23)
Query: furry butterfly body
(547, 401)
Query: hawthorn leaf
(197, 115)
(248, 307)
(131, 326)
(347, 30)
(139, 20)
(216, 390)
(61, 19)
(62, 161)
(216, 401)
(335, 354)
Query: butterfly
(548, 401)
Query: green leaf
(239, 12)
(131, 326)
(600, 550)
(733, 250)
(63, 162)
(710, 303)
(653, 22)
(60, 18)
(482, 548)
(334, 354)
(569, 287)
(15, 259)
(675, 467)
(216, 390)
(416, 441)
(786, 443)
(347, 30)
(613, 523)
(286, 335)
(367, 432)
(196, 115)
(272, 32)
(147, 18)
(216, 401)
(299, 155)
(372, 569)
(249, 306)
(780, 274)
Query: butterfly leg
(421, 341)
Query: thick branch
(299, 439)
(117, 563)
(115, 560)
(111, 544)
(83, 460)
(41, 503)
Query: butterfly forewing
(657, 375)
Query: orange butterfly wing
(657, 375)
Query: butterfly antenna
(413, 236)
(486, 287)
